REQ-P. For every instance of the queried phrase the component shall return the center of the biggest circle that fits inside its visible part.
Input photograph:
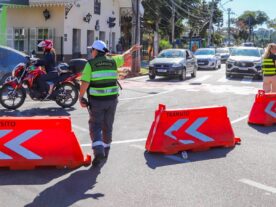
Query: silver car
(224, 53)
(207, 58)
(173, 63)
(244, 61)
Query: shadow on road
(70, 190)
(51, 111)
(263, 129)
(30, 177)
(162, 79)
(160, 160)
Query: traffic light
(111, 22)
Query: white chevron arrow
(192, 130)
(175, 127)
(269, 107)
(4, 156)
(15, 144)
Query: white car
(207, 58)
(244, 61)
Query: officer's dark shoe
(106, 152)
(98, 159)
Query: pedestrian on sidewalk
(269, 68)
(99, 81)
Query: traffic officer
(269, 68)
(99, 81)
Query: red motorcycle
(24, 81)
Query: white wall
(75, 20)
(32, 17)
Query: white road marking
(223, 80)
(247, 80)
(203, 78)
(138, 146)
(138, 140)
(120, 142)
(258, 185)
(148, 96)
(239, 119)
(136, 78)
(80, 128)
(171, 157)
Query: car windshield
(245, 52)
(171, 54)
(222, 50)
(205, 52)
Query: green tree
(249, 20)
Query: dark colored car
(173, 63)
(9, 58)
(224, 53)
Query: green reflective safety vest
(103, 81)
(268, 67)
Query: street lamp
(221, 5)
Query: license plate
(161, 70)
(199, 63)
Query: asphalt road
(241, 176)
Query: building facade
(72, 24)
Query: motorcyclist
(49, 62)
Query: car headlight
(151, 65)
(258, 63)
(229, 61)
(176, 65)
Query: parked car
(207, 58)
(173, 63)
(224, 53)
(244, 61)
(9, 58)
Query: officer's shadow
(71, 190)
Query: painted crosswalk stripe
(258, 185)
(203, 78)
(223, 80)
(247, 80)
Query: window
(102, 36)
(43, 34)
(90, 37)
(19, 36)
(97, 7)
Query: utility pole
(228, 29)
(173, 23)
(250, 28)
(136, 58)
(211, 23)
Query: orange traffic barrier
(194, 129)
(33, 142)
(263, 111)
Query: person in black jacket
(49, 62)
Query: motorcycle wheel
(11, 98)
(66, 95)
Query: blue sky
(239, 6)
